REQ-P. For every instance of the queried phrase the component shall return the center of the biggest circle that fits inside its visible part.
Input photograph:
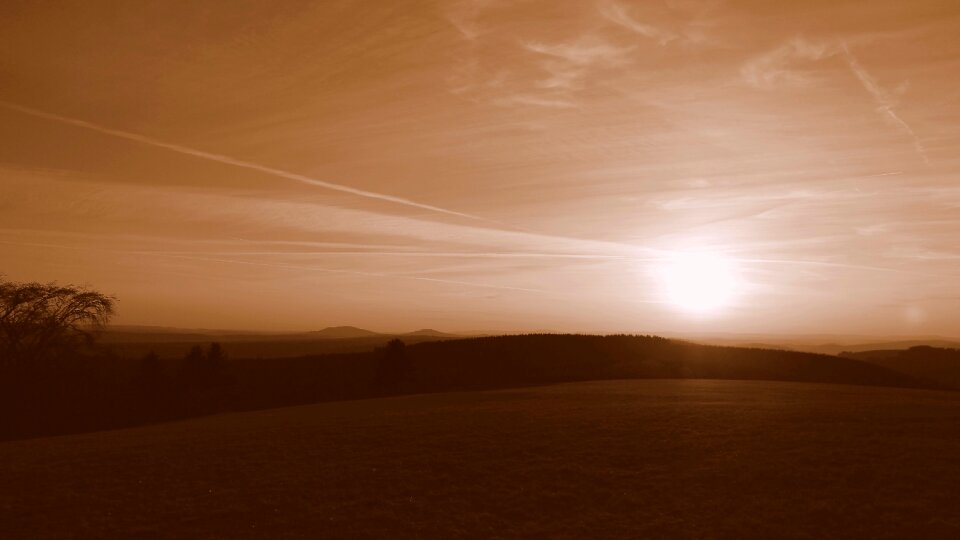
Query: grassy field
(620, 459)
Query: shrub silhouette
(202, 379)
(152, 388)
(393, 368)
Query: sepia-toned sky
(487, 165)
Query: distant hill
(930, 364)
(163, 334)
(263, 347)
(113, 336)
(147, 333)
(834, 348)
(431, 333)
(828, 344)
(343, 332)
(135, 342)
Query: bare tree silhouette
(41, 321)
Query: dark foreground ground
(624, 459)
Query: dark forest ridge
(134, 341)
(819, 343)
(105, 393)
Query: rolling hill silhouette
(524, 359)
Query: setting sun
(701, 283)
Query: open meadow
(607, 459)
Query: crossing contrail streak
(220, 158)
(885, 103)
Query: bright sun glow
(701, 283)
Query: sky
(649, 166)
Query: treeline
(96, 390)
(84, 391)
(108, 392)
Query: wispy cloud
(568, 65)
(618, 14)
(463, 16)
(521, 67)
(544, 75)
(779, 67)
(538, 101)
(673, 22)
(585, 52)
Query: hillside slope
(929, 364)
(521, 359)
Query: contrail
(220, 158)
(424, 254)
(843, 265)
(884, 102)
(278, 265)
(351, 272)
